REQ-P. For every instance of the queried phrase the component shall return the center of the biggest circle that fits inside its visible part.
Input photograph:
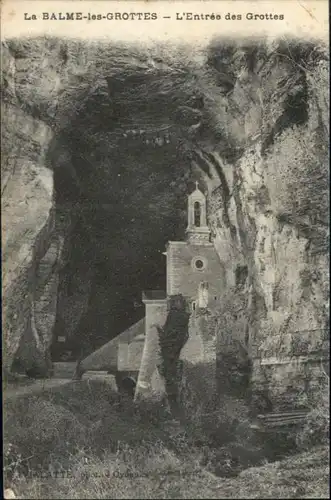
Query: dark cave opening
(118, 201)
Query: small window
(193, 306)
(199, 264)
(197, 214)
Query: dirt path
(27, 387)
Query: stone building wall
(183, 277)
(148, 379)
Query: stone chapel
(193, 269)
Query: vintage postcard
(165, 248)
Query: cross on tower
(196, 185)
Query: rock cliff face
(30, 247)
(270, 215)
(250, 119)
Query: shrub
(108, 447)
(316, 429)
(172, 338)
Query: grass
(85, 441)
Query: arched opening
(94, 235)
(197, 214)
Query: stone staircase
(280, 421)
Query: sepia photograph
(165, 249)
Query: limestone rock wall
(29, 254)
(31, 245)
(35, 235)
(270, 213)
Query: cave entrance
(116, 207)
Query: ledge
(154, 296)
(293, 359)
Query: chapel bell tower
(197, 230)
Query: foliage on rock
(233, 345)
(172, 338)
(316, 430)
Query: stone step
(283, 415)
(284, 419)
(97, 373)
(64, 369)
